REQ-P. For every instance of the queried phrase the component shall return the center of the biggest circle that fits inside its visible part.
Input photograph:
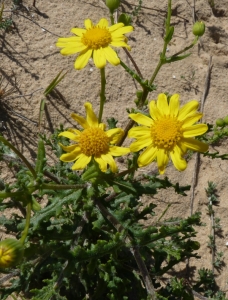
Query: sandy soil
(30, 60)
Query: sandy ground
(30, 60)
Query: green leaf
(176, 58)
(41, 111)
(54, 83)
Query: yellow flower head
(11, 252)
(95, 41)
(169, 133)
(92, 142)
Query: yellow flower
(11, 253)
(92, 142)
(95, 41)
(168, 133)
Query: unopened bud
(226, 120)
(125, 19)
(11, 253)
(198, 28)
(112, 5)
(220, 122)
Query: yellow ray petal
(63, 42)
(91, 118)
(147, 156)
(88, 24)
(68, 50)
(162, 160)
(141, 132)
(109, 159)
(191, 120)
(162, 104)
(99, 58)
(195, 130)
(195, 145)
(68, 157)
(115, 27)
(188, 109)
(111, 56)
(80, 120)
(174, 105)
(122, 30)
(81, 162)
(154, 111)
(70, 148)
(69, 135)
(176, 155)
(140, 144)
(83, 59)
(141, 119)
(118, 151)
(78, 31)
(102, 164)
(103, 23)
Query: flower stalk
(102, 94)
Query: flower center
(166, 132)
(96, 38)
(94, 141)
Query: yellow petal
(115, 27)
(118, 151)
(78, 31)
(102, 164)
(162, 104)
(176, 155)
(81, 162)
(140, 144)
(147, 156)
(80, 120)
(99, 58)
(72, 49)
(141, 119)
(188, 109)
(91, 118)
(69, 135)
(114, 135)
(141, 132)
(109, 159)
(121, 31)
(111, 56)
(162, 160)
(195, 145)
(154, 111)
(63, 42)
(83, 59)
(103, 23)
(102, 126)
(195, 130)
(68, 157)
(191, 120)
(174, 105)
(69, 148)
(88, 24)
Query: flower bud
(11, 253)
(220, 122)
(226, 120)
(198, 28)
(125, 19)
(112, 5)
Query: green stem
(187, 48)
(46, 186)
(102, 94)
(4, 195)
(27, 223)
(20, 155)
(112, 18)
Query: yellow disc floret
(96, 38)
(94, 141)
(166, 132)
